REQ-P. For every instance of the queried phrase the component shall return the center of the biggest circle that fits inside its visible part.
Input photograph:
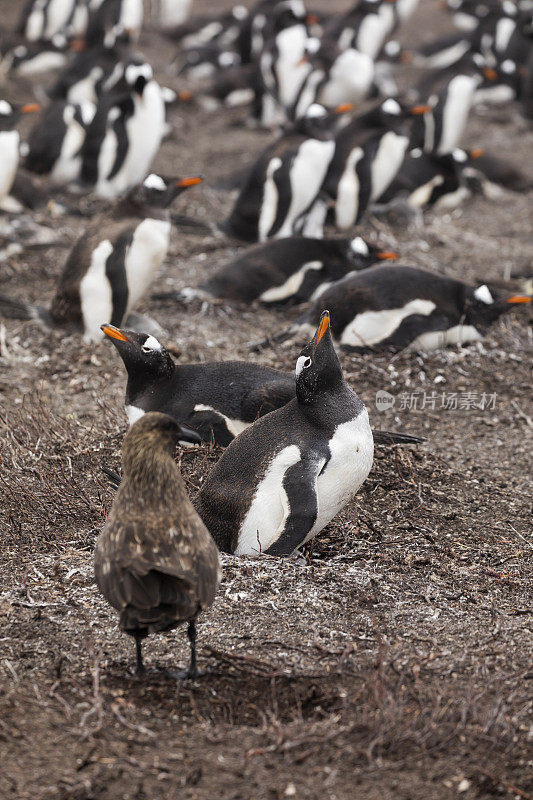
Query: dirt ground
(396, 663)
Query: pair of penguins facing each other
(155, 560)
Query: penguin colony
(345, 142)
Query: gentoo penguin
(280, 482)
(9, 142)
(282, 63)
(369, 151)
(217, 400)
(291, 269)
(499, 85)
(154, 559)
(336, 77)
(29, 59)
(55, 142)
(111, 18)
(43, 19)
(367, 26)
(94, 72)
(440, 128)
(285, 180)
(426, 179)
(389, 308)
(204, 61)
(124, 135)
(198, 31)
(235, 86)
(112, 265)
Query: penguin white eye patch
(150, 345)
(303, 363)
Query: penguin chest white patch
(351, 455)
(133, 414)
(9, 158)
(307, 174)
(269, 509)
(387, 162)
(371, 327)
(147, 252)
(347, 205)
(291, 285)
(96, 297)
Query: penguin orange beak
(490, 74)
(422, 109)
(476, 152)
(343, 108)
(386, 255)
(184, 182)
(77, 46)
(311, 19)
(30, 108)
(518, 298)
(302, 60)
(113, 333)
(322, 326)
(185, 94)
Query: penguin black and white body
(109, 19)
(440, 128)
(291, 270)
(55, 142)
(283, 62)
(43, 19)
(235, 86)
(427, 179)
(201, 62)
(368, 153)
(218, 400)
(124, 136)
(29, 59)
(368, 25)
(111, 266)
(336, 77)
(389, 308)
(281, 481)
(94, 72)
(500, 84)
(9, 143)
(285, 181)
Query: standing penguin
(43, 19)
(124, 136)
(154, 560)
(389, 308)
(112, 265)
(365, 27)
(368, 153)
(440, 128)
(281, 481)
(285, 180)
(56, 140)
(9, 143)
(293, 269)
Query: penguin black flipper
(119, 129)
(299, 483)
(115, 270)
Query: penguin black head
(481, 310)
(318, 368)
(362, 254)
(144, 357)
(158, 191)
(287, 13)
(10, 113)
(153, 434)
(318, 122)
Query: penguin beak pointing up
(114, 333)
(322, 327)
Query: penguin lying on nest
(111, 266)
(390, 308)
(291, 270)
(281, 481)
(154, 560)
(217, 400)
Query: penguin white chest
(387, 162)
(147, 252)
(352, 453)
(347, 205)
(9, 159)
(456, 109)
